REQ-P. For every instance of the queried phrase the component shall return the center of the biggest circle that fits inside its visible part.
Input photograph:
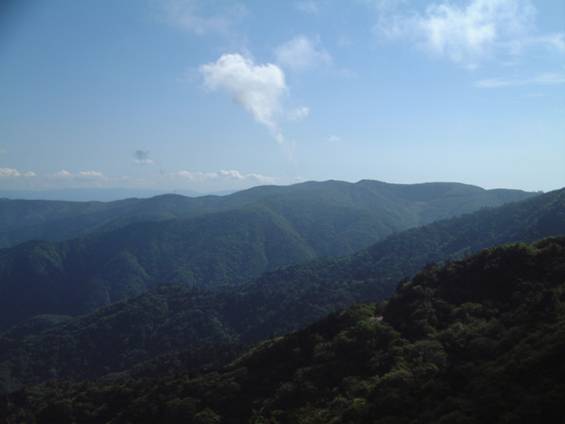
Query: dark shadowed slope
(80, 275)
(401, 255)
(475, 341)
(170, 319)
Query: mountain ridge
(283, 300)
(23, 220)
(236, 240)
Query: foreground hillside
(474, 341)
(351, 215)
(173, 319)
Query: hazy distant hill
(370, 207)
(92, 194)
(173, 318)
(475, 341)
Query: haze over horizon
(195, 96)
(109, 194)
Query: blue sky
(221, 95)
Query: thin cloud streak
(15, 173)
(192, 16)
(12, 178)
(301, 53)
(542, 79)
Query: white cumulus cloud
(301, 53)
(257, 88)
(468, 32)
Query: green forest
(171, 318)
(473, 341)
(236, 316)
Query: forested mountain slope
(176, 318)
(165, 320)
(77, 276)
(24, 220)
(287, 225)
(364, 212)
(403, 254)
(475, 341)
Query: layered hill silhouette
(473, 341)
(172, 319)
(370, 207)
(203, 242)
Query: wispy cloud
(302, 52)
(15, 179)
(195, 15)
(257, 88)
(63, 173)
(224, 175)
(299, 113)
(184, 179)
(90, 174)
(556, 41)
(80, 175)
(141, 157)
(541, 79)
(310, 7)
(14, 173)
(468, 33)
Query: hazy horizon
(118, 193)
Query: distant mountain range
(386, 207)
(128, 246)
(172, 319)
(94, 194)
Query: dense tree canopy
(171, 320)
(474, 341)
(212, 241)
